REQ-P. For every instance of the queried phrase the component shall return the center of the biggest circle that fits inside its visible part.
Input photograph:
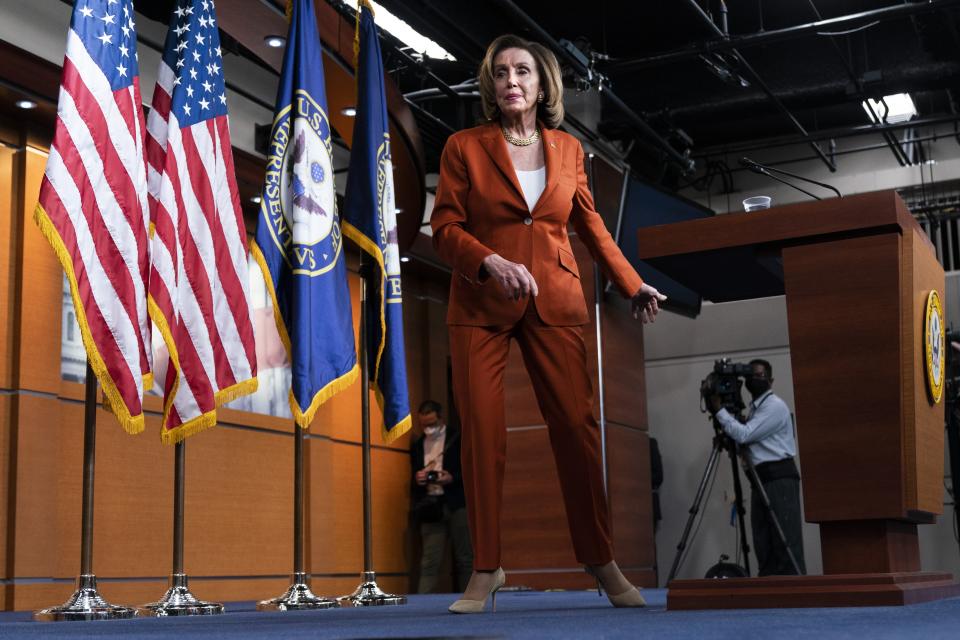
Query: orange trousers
(555, 358)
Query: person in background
(437, 498)
(768, 437)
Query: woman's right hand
(514, 279)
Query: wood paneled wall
(239, 475)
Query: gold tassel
(130, 423)
(303, 418)
(189, 428)
(361, 5)
(356, 42)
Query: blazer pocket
(568, 262)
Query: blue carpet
(556, 615)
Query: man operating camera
(767, 434)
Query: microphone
(762, 169)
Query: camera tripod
(723, 442)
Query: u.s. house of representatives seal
(934, 346)
(299, 198)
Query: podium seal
(934, 346)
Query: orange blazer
(480, 210)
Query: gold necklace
(521, 142)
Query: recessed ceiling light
(26, 104)
(405, 33)
(274, 42)
(350, 112)
(404, 258)
(256, 199)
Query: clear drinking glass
(756, 203)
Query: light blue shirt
(768, 431)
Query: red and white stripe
(93, 208)
(199, 275)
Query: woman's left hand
(646, 303)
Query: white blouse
(533, 184)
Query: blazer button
(528, 220)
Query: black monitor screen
(647, 206)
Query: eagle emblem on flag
(299, 197)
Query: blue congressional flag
(370, 220)
(298, 243)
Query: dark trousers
(784, 496)
(434, 535)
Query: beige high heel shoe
(476, 606)
(629, 598)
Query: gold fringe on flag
(305, 417)
(130, 423)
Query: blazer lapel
(553, 158)
(496, 148)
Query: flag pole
(298, 596)
(86, 603)
(178, 600)
(598, 326)
(368, 594)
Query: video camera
(725, 381)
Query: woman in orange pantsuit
(507, 191)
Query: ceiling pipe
(462, 89)
(446, 128)
(635, 120)
(891, 139)
(841, 23)
(842, 152)
(757, 80)
(826, 134)
(905, 78)
(350, 15)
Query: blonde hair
(550, 111)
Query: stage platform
(531, 614)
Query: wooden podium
(856, 272)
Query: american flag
(93, 200)
(199, 274)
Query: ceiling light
(901, 108)
(404, 258)
(405, 33)
(274, 42)
(349, 111)
(26, 104)
(256, 199)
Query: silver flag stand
(298, 596)
(368, 594)
(86, 603)
(178, 600)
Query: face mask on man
(757, 386)
(432, 430)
